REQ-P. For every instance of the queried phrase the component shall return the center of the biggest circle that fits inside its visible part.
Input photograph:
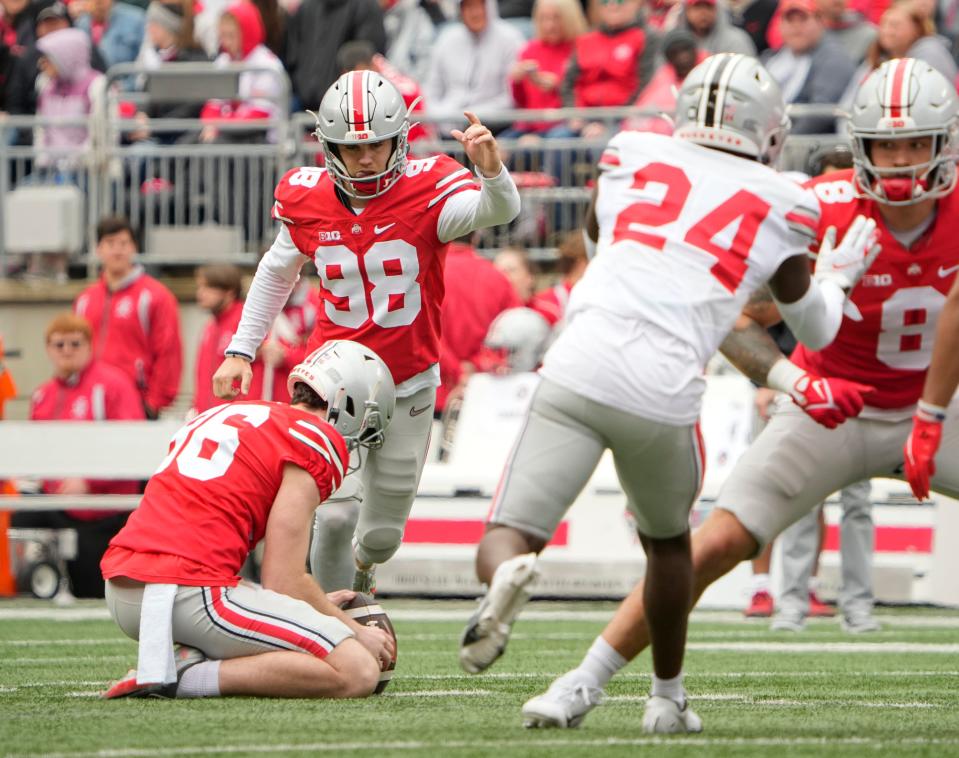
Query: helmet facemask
(366, 187)
(906, 185)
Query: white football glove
(846, 262)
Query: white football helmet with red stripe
(730, 102)
(905, 98)
(363, 107)
(357, 387)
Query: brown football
(366, 610)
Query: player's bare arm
(480, 146)
(750, 348)
(284, 558)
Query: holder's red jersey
(899, 298)
(208, 503)
(381, 272)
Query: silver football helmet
(730, 102)
(363, 107)
(905, 98)
(522, 336)
(357, 387)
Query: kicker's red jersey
(899, 299)
(381, 271)
(208, 503)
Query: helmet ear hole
(350, 409)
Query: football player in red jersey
(376, 225)
(234, 475)
(903, 127)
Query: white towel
(155, 664)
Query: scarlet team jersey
(208, 503)
(686, 234)
(381, 271)
(886, 339)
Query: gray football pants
(856, 537)
(376, 508)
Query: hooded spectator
(469, 69)
(22, 83)
(71, 88)
(242, 38)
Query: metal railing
(163, 176)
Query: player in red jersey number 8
(903, 125)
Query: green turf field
(819, 693)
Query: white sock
(759, 583)
(671, 688)
(601, 663)
(202, 680)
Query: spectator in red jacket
(82, 389)
(609, 65)
(218, 291)
(551, 302)
(536, 76)
(134, 318)
(476, 292)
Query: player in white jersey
(684, 228)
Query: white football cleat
(664, 716)
(788, 620)
(564, 705)
(487, 631)
(860, 623)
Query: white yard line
(812, 647)
(492, 745)
(53, 613)
(811, 703)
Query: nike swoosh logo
(944, 272)
(417, 411)
(381, 229)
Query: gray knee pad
(378, 544)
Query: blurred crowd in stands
(473, 54)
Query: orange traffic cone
(8, 585)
